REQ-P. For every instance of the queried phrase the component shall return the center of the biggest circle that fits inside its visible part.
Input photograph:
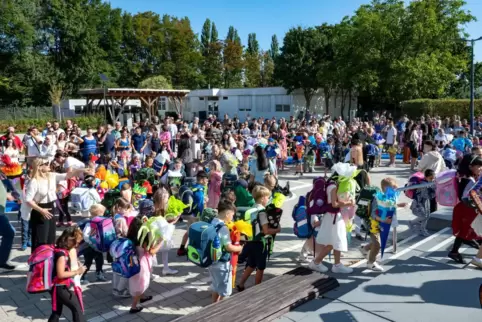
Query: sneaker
(125, 294)
(318, 267)
(341, 269)
(364, 251)
(29, 244)
(100, 277)
(476, 262)
(84, 281)
(424, 233)
(375, 267)
(24, 247)
(7, 266)
(154, 277)
(303, 258)
(169, 271)
(181, 252)
(456, 257)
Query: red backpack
(317, 198)
(415, 179)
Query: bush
(441, 107)
(21, 126)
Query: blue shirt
(138, 141)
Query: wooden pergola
(116, 99)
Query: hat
(270, 140)
(146, 207)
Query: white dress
(332, 233)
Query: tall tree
(253, 45)
(296, 65)
(274, 50)
(206, 38)
(213, 62)
(232, 59)
(252, 63)
(267, 69)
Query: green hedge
(441, 107)
(21, 126)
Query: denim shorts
(222, 279)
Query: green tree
(252, 63)
(232, 59)
(155, 82)
(296, 66)
(253, 45)
(205, 38)
(267, 69)
(274, 50)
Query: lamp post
(472, 83)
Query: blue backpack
(302, 227)
(204, 247)
(126, 263)
(186, 195)
(198, 200)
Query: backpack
(371, 150)
(204, 246)
(198, 200)
(447, 188)
(413, 180)
(317, 198)
(187, 197)
(364, 202)
(126, 262)
(82, 198)
(127, 219)
(102, 233)
(302, 227)
(41, 267)
(228, 182)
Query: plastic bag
(112, 179)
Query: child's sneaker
(303, 258)
(169, 271)
(84, 281)
(341, 269)
(424, 233)
(476, 262)
(125, 294)
(100, 277)
(24, 247)
(317, 267)
(375, 267)
(181, 252)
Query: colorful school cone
(387, 204)
(235, 239)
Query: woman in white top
(431, 159)
(40, 196)
(61, 141)
(11, 150)
(441, 139)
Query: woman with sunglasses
(11, 150)
(41, 196)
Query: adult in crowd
(7, 232)
(259, 167)
(61, 142)
(89, 147)
(123, 143)
(11, 150)
(391, 141)
(40, 196)
(432, 159)
(413, 144)
(32, 140)
(138, 142)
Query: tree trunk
(336, 96)
(308, 96)
(342, 102)
(349, 106)
(327, 93)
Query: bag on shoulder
(302, 227)
(41, 269)
(126, 263)
(317, 199)
(102, 233)
(204, 246)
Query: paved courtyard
(188, 291)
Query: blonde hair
(215, 165)
(160, 199)
(260, 192)
(388, 182)
(270, 181)
(36, 164)
(97, 210)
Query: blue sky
(268, 17)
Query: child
(135, 165)
(90, 254)
(309, 247)
(126, 192)
(423, 205)
(298, 158)
(449, 156)
(122, 208)
(332, 234)
(215, 178)
(139, 283)
(220, 271)
(373, 247)
(256, 250)
(200, 198)
(63, 274)
(161, 198)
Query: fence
(15, 113)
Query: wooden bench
(269, 300)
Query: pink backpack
(41, 267)
(317, 198)
(415, 179)
(102, 233)
(447, 188)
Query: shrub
(441, 107)
(21, 126)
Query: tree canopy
(388, 50)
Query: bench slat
(268, 300)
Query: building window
(201, 98)
(225, 98)
(162, 104)
(283, 108)
(213, 98)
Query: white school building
(263, 102)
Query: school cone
(235, 240)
